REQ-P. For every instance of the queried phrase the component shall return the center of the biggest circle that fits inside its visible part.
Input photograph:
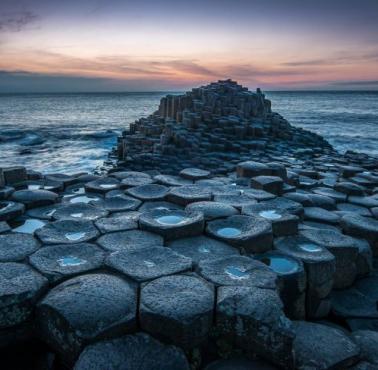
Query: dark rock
(43, 213)
(149, 192)
(251, 234)
(79, 211)
(237, 201)
(368, 342)
(239, 363)
(322, 347)
(139, 351)
(119, 203)
(60, 262)
(102, 185)
(183, 195)
(84, 309)
(129, 240)
(194, 174)
(202, 248)
(363, 227)
(271, 184)
(177, 309)
(292, 282)
(119, 222)
(13, 175)
(149, 263)
(67, 232)
(169, 180)
(16, 246)
(320, 215)
(320, 267)
(253, 319)
(172, 224)
(343, 248)
(237, 271)
(283, 223)
(34, 198)
(10, 210)
(212, 210)
(252, 169)
(20, 287)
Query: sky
(172, 45)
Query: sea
(74, 132)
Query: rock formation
(218, 267)
(213, 127)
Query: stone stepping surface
(107, 306)
(264, 252)
(249, 233)
(60, 262)
(67, 232)
(172, 224)
(178, 309)
(139, 351)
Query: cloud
(341, 57)
(16, 21)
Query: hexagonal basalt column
(172, 224)
(237, 201)
(202, 248)
(149, 263)
(184, 195)
(252, 318)
(318, 214)
(20, 287)
(129, 240)
(251, 234)
(252, 169)
(169, 180)
(323, 345)
(363, 227)
(149, 192)
(118, 222)
(60, 262)
(67, 232)
(178, 309)
(212, 210)
(35, 198)
(285, 205)
(84, 309)
(122, 203)
(291, 282)
(271, 184)
(79, 211)
(237, 271)
(17, 246)
(44, 213)
(320, 268)
(194, 174)
(137, 180)
(10, 210)
(343, 248)
(139, 351)
(102, 185)
(150, 206)
(283, 223)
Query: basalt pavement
(270, 264)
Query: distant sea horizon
(74, 131)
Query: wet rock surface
(221, 230)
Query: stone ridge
(212, 127)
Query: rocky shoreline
(224, 238)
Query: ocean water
(74, 132)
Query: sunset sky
(145, 45)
